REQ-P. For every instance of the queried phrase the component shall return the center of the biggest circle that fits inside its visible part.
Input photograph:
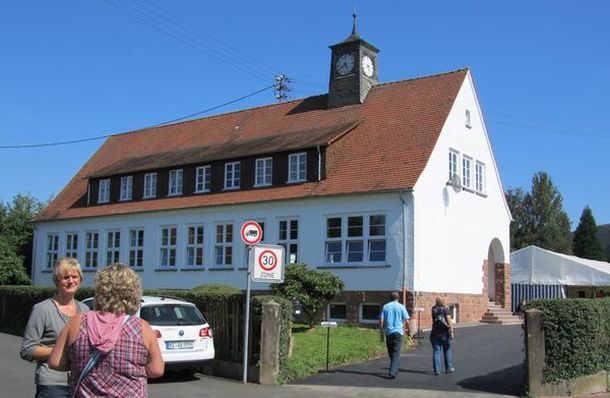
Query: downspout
(404, 248)
(34, 253)
(319, 163)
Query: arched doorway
(495, 258)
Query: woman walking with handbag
(129, 353)
(441, 336)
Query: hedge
(577, 337)
(223, 308)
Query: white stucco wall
(311, 214)
(453, 230)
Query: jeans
(52, 392)
(394, 344)
(440, 345)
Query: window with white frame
(232, 175)
(337, 312)
(369, 312)
(264, 168)
(355, 239)
(150, 185)
(104, 191)
(202, 179)
(223, 245)
(194, 245)
(72, 244)
(126, 188)
(136, 247)
(453, 163)
(288, 236)
(247, 248)
(175, 182)
(480, 177)
(52, 252)
(467, 117)
(113, 247)
(297, 167)
(168, 246)
(91, 249)
(467, 172)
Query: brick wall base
(470, 307)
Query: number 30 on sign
(267, 263)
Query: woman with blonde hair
(47, 319)
(441, 336)
(127, 344)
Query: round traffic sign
(251, 233)
(267, 260)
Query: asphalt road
(487, 358)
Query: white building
(390, 186)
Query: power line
(239, 54)
(550, 129)
(184, 37)
(48, 144)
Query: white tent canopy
(535, 266)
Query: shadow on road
(509, 381)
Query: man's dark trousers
(394, 344)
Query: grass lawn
(348, 344)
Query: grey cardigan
(43, 328)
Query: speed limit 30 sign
(267, 263)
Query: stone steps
(497, 315)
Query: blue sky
(71, 70)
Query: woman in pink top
(130, 353)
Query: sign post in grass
(328, 325)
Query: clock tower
(353, 70)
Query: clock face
(367, 66)
(345, 64)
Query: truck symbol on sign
(252, 233)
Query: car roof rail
(165, 296)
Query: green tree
(585, 243)
(15, 227)
(516, 202)
(12, 271)
(538, 216)
(314, 289)
(547, 223)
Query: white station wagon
(184, 336)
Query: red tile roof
(380, 145)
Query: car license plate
(179, 345)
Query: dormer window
(264, 169)
(150, 185)
(175, 182)
(232, 175)
(202, 179)
(104, 191)
(297, 167)
(126, 188)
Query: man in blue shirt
(394, 321)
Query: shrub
(314, 289)
(12, 271)
(577, 337)
(220, 289)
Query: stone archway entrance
(498, 274)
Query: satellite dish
(455, 182)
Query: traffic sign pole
(247, 327)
